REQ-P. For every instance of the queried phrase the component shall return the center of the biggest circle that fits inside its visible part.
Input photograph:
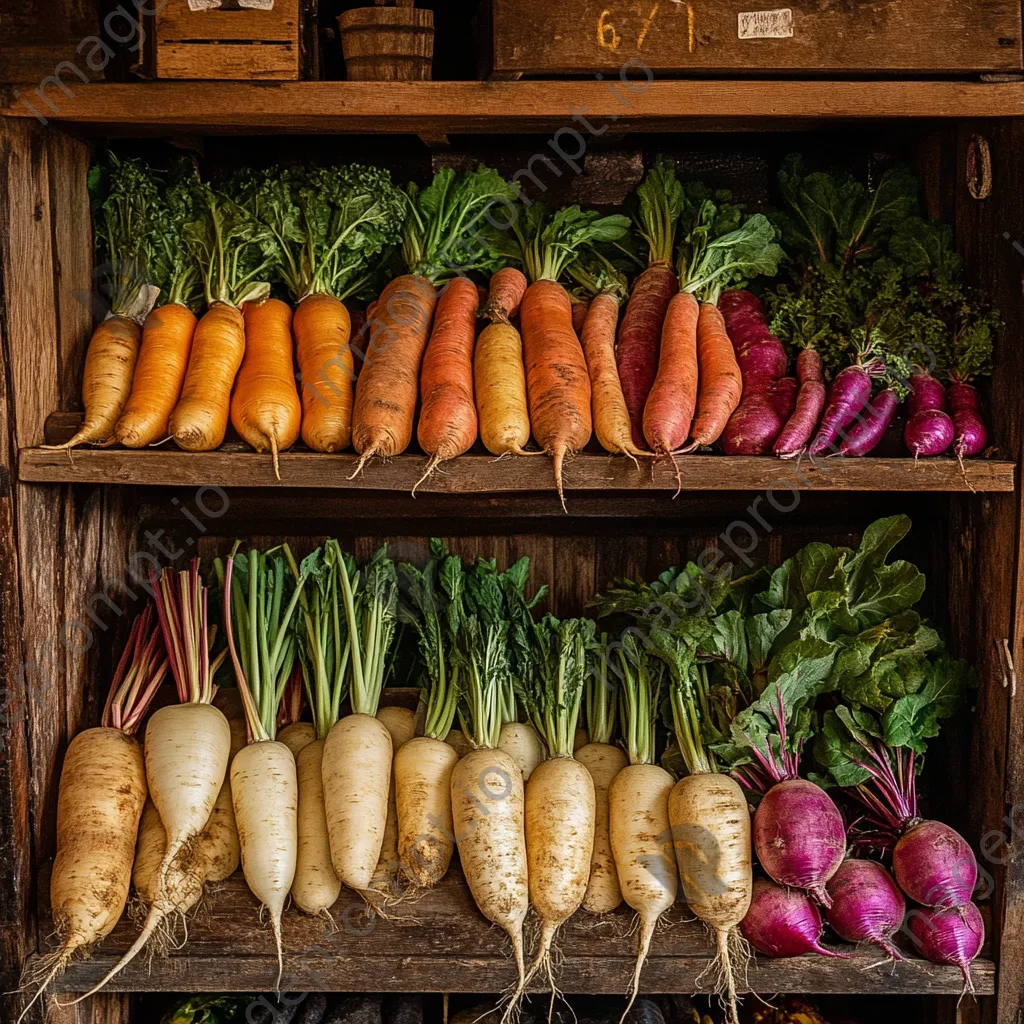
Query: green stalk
(600, 696)
(689, 701)
(639, 690)
(370, 600)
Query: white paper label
(766, 24)
(212, 5)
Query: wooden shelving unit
(451, 108)
(439, 942)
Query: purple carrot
(783, 922)
(848, 394)
(970, 435)
(782, 395)
(872, 425)
(809, 403)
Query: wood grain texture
(233, 466)
(442, 943)
(483, 107)
(580, 37)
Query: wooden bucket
(387, 44)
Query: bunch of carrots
(678, 361)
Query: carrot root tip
(435, 460)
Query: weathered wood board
(653, 37)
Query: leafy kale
(459, 224)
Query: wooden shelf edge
(482, 474)
(473, 107)
(317, 971)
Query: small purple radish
(928, 433)
(809, 402)
(969, 428)
(925, 393)
(848, 394)
(872, 425)
(783, 922)
(867, 905)
(799, 836)
(948, 936)
(935, 866)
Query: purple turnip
(872, 425)
(934, 865)
(783, 922)
(848, 394)
(949, 936)
(970, 435)
(809, 403)
(867, 905)
(799, 836)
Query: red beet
(809, 403)
(848, 394)
(935, 866)
(639, 341)
(970, 435)
(872, 424)
(867, 905)
(783, 922)
(799, 836)
(949, 936)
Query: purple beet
(949, 936)
(867, 905)
(783, 922)
(935, 866)
(799, 836)
(872, 425)
(848, 394)
(968, 426)
(809, 403)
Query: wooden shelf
(434, 109)
(441, 943)
(236, 466)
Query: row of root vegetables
(680, 358)
(537, 744)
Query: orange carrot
(200, 419)
(265, 409)
(668, 411)
(387, 388)
(326, 369)
(507, 287)
(448, 420)
(579, 314)
(107, 382)
(556, 374)
(720, 382)
(358, 338)
(159, 374)
(611, 417)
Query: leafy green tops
(659, 204)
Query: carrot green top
(659, 205)
(548, 243)
(175, 270)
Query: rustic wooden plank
(257, 61)
(69, 160)
(442, 932)
(573, 582)
(472, 107)
(580, 37)
(232, 466)
(108, 1008)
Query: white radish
(604, 762)
(457, 740)
(423, 778)
(316, 887)
(264, 792)
(523, 742)
(401, 725)
(296, 736)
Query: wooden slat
(232, 466)
(535, 37)
(176, 21)
(440, 942)
(459, 107)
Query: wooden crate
(658, 37)
(229, 43)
